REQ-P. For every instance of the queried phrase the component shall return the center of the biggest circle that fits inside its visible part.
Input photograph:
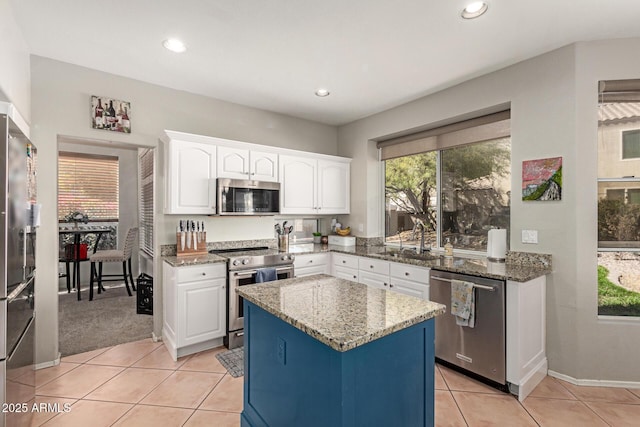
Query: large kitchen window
(619, 198)
(453, 181)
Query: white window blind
(89, 184)
(145, 167)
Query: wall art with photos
(110, 114)
(542, 179)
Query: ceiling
(371, 54)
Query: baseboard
(49, 364)
(595, 383)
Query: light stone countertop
(339, 313)
(186, 260)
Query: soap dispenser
(448, 249)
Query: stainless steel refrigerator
(17, 265)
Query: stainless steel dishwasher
(479, 351)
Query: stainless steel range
(242, 266)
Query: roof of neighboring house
(617, 112)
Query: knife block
(189, 249)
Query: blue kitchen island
(322, 351)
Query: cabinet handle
(371, 266)
(354, 277)
(390, 285)
(310, 261)
(406, 273)
(204, 274)
(385, 283)
(344, 262)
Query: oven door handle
(249, 273)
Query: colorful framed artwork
(542, 179)
(110, 114)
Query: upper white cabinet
(239, 163)
(190, 167)
(314, 186)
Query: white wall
(15, 84)
(553, 101)
(60, 107)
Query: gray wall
(553, 101)
(60, 108)
(15, 84)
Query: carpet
(233, 361)
(108, 320)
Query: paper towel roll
(497, 244)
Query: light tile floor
(138, 384)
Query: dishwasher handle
(475, 285)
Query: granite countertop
(519, 266)
(339, 313)
(187, 260)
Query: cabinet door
(191, 169)
(346, 273)
(309, 264)
(333, 187)
(298, 185)
(263, 166)
(201, 311)
(233, 163)
(415, 289)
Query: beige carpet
(108, 320)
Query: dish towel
(268, 274)
(463, 303)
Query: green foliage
(614, 300)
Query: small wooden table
(77, 237)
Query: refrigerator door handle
(18, 290)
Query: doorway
(100, 188)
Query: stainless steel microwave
(247, 197)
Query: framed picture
(542, 179)
(110, 114)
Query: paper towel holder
(490, 249)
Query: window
(631, 144)
(619, 198)
(455, 181)
(145, 168)
(88, 184)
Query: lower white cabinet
(409, 279)
(344, 266)
(310, 264)
(194, 305)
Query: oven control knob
(236, 261)
(285, 257)
(245, 261)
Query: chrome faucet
(422, 249)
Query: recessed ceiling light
(322, 93)
(174, 45)
(475, 9)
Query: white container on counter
(342, 240)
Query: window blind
(89, 184)
(145, 168)
(485, 128)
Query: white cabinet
(344, 266)
(239, 163)
(310, 264)
(190, 169)
(313, 186)
(194, 306)
(409, 279)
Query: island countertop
(339, 313)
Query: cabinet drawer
(346, 273)
(410, 272)
(379, 281)
(309, 260)
(341, 260)
(310, 270)
(201, 272)
(373, 265)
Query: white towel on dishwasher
(463, 303)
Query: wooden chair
(114, 255)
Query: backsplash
(170, 250)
